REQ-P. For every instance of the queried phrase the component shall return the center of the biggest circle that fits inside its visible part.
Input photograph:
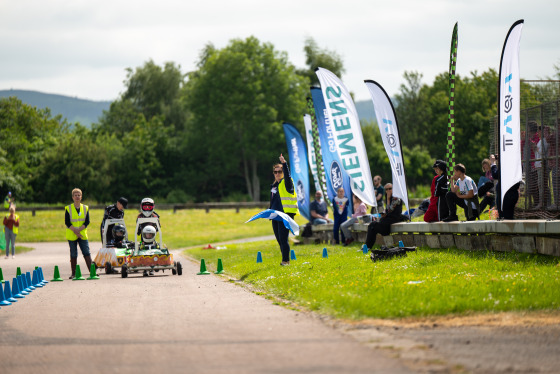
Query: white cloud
(81, 48)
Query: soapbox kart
(113, 255)
(148, 257)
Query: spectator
(319, 211)
(486, 185)
(379, 192)
(114, 211)
(505, 210)
(11, 226)
(360, 209)
(437, 210)
(283, 198)
(553, 164)
(391, 215)
(462, 192)
(8, 200)
(540, 146)
(76, 218)
(340, 213)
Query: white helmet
(148, 234)
(147, 206)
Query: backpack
(307, 232)
(384, 253)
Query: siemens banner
(343, 116)
(336, 175)
(298, 167)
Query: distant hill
(87, 112)
(73, 109)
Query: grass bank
(428, 282)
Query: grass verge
(428, 282)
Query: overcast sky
(82, 48)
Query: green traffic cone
(78, 276)
(92, 274)
(220, 269)
(1, 276)
(203, 268)
(56, 277)
(18, 271)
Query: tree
(26, 134)
(317, 57)
(239, 97)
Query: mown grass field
(181, 229)
(428, 282)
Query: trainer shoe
(451, 219)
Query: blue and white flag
(509, 135)
(389, 130)
(289, 223)
(335, 174)
(299, 169)
(350, 146)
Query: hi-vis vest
(14, 228)
(77, 219)
(7, 202)
(289, 201)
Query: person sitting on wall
(319, 211)
(391, 215)
(437, 210)
(462, 192)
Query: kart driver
(147, 210)
(148, 242)
(119, 233)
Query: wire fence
(539, 193)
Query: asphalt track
(166, 323)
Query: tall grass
(427, 282)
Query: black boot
(73, 262)
(88, 264)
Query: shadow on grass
(244, 276)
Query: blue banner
(298, 167)
(336, 175)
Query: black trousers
(281, 233)
(453, 201)
(510, 200)
(374, 228)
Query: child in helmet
(148, 242)
(147, 210)
(119, 233)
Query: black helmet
(119, 231)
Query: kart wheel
(173, 270)
(124, 271)
(108, 268)
(179, 269)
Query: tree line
(212, 134)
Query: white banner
(311, 151)
(509, 111)
(389, 130)
(351, 149)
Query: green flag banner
(451, 116)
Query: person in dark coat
(437, 210)
(114, 211)
(391, 215)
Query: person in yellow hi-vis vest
(76, 218)
(11, 225)
(283, 199)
